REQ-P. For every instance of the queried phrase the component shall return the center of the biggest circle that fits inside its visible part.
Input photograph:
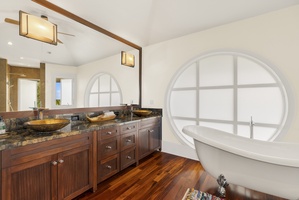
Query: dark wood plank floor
(165, 176)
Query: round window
(229, 91)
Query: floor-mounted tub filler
(268, 167)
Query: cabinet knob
(129, 157)
(108, 167)
(60, 161)
(108, 147)
(54, 162)
(151, 131)
(109, 133)
(128, 140)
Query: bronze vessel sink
(141, 113)
(47, 125)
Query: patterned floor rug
(192, 194)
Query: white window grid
(235, 86)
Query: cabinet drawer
(128, 140)
(108, 167)
(128, 157)
(108, 133)
(155, 121)
(108, 147)
(128, 128)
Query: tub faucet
(251, 124)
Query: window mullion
(235, 93)
(197, 92)
(99, 90)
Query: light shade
(127, 59)
(37, 28)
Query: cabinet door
(143, 143)
(155, 138)
(32, 180)
(74, 172)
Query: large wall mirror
(82, 52)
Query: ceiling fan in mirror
(38, 28)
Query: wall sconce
(127, 59)
(37, 28)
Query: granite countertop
(24, 136)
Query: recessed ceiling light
(21, 58)
(9, 43)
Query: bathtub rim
(260, 156)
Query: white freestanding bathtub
(268, 167)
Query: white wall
(127, 77)
(273, 38)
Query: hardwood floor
(163, 176)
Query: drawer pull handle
(130, 127)
(61, 161)
(128, 140)
(129, 157)
(108, 167)
(150, 131)
(54, 162)
(108, 147)
(109, 133)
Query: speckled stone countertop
(24, 136)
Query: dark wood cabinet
(66, 167)
(149, 136)
(143, 143)
(108, 148)
(128, 154)
(116, 149)
(56, 169)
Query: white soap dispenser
(2, 126)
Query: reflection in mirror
(28, 94)
(76, 56)
(103, 90)
(14, 81)
(64, 94)
(63, 87)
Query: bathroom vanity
(66, 163)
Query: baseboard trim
(179, 150)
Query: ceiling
(143, 22)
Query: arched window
(229, 91)
(103, 90)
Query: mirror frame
(82, 21)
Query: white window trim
(279, 78)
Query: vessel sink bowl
(142, 113)
(47, 125)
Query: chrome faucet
(40, 112)
(251, 124)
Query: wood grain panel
(73, 171)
